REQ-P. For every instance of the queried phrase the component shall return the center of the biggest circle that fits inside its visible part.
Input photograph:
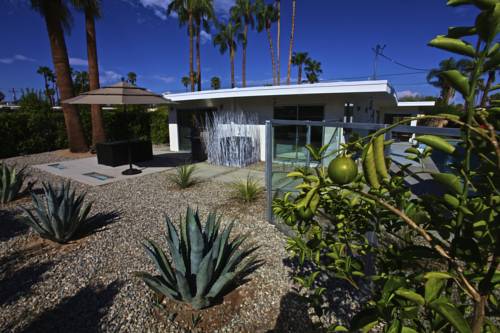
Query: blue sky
(136, 35)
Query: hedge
(29, 132)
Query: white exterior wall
(173, 132)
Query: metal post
(269, 170)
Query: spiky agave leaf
(61, 215)
(11, 182)
(205, 264)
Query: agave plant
(183, 176)
(11, 182)
(247, 190)
(61, 215)
(205, 263)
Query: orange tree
(437, 258)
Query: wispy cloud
(109, 76)
(17, 57)
(159, 7)
(205, 37)
(78, 62)
(407, 93)
(165, 79)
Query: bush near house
(28, 132)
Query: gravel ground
(88, 286)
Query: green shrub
(11, 182)
(61, 216)
(36, 131)
(159, 125)
(184, 176)
(205, 263)
(247, 190)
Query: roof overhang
(416, 104)
(363, 87)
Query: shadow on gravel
(98, 223)
(17, 283)
(79, 313)
(338, 303)
(10, 225)
(293, 316)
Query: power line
(399, 63)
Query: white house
(360, 101)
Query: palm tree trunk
(487, 87)
(278, 43)
(46, 82)
(98, 133)
(299, 79)
(272, 53)
(290, 48)
(74, 130)
(191, 71)
(244, 59)
(231, 55)
(198, 56)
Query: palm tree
(487, 87)
(226, 40)
(278, 41)
(434, 78)
(243, 12)
(57, 17)
(203, 13)
(80, 82)
(132, 78)
(92, 10)
(215, 82)
(290, 48)
(185, 10)
(185, 82)
(313, 70)
(45, 72)
(266, 16)
(299, 59)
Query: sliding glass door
(290, 140)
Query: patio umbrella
(121, 93)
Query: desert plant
(61, 216)
(184, 176)
(205, 264)
(11, 182)
(247, 190)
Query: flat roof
(416, 104)
(379, 86)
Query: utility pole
(378, 51)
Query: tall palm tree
(278, 41)
(290, 48)
(185, 82)
(185, 10)
(92, 11)
(266, 16)
(215, 82)
(57, 17)
(434, 78)
(132, 78)
(313, 70)
(489, 82)
(299, 59)
(203, 14)
(243, 12)
(45, 72)
(226, 40)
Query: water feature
(232, 138)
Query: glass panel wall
(290, 141)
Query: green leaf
(438, 275)
(406, 329)
(436, 142)
(453, 45)
(395, 326)
(493, 62)
(457, 32)
(410, 295)
(455, 3)
(488, 23)
(365, 320)
(433, 287)
(295, 174)
(457, 81)
(451, 200)
(449, 180)
(452, 315)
